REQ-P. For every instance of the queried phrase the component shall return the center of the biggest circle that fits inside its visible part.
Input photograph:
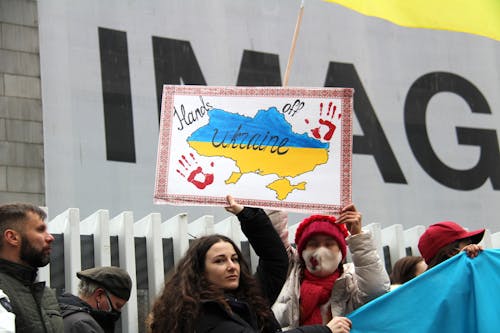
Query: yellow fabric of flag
(480, 17)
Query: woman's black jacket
(271, 274)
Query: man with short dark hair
(103, 291)
(25, 245)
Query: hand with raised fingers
(340, 325)
(351, 218)
(233, 206)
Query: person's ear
(12, 237)
(97, 295)
(99, 292)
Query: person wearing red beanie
(320, 286)
(443, 240)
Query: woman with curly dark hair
(212, 289)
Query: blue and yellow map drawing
(264, 144)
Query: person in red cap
(443, 240)
(320, 286)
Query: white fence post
(97, 224)
(68, 224)
(202, 226)
(495, 240)
(229, 227)
(123, 227)
(376, 230)
(149, 227)
(177, 228)
(412, 236)
(486, 241)
(393, 237)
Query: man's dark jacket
(77, 317)
(34, 304)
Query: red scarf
(314, 292)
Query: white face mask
(321, 261)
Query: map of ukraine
(264, 144)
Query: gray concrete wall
(21, 130)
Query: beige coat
(362, 281)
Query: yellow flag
(480, 17)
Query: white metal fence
(149, 247)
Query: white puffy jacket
(362, 281)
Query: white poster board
(271, 147)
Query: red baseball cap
(441, 234)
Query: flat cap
(113, 279)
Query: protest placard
(271, 147)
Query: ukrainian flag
(460, 295)
(479, 17)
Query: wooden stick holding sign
(294, 42)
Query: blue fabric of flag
(460, 295)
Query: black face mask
(106, 319)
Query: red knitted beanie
(321, 224)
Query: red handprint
(330, 126)
(196, 177)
